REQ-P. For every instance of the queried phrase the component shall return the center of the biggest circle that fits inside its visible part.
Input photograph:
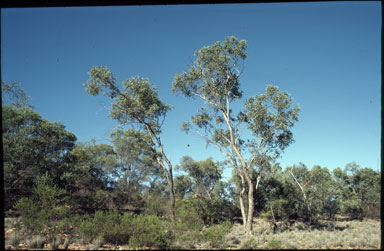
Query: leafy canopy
(137, 102)
(215, 73)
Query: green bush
(187, 218)
(251, 243)
(40, 212)
(215, 234)
(32, 216)
(148, 231)
(352, 208)
(137, 231)
(111, 226)
(155, 204)
(273, 244)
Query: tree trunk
(171, 189)
(172, 198)
(251, 206)
(241, 198)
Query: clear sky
(327, 55)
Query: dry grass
(343, 234)
(347, 234)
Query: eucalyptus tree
(137, 104)
(135, 163)
(32, 147)
(13, 94)
(89, 176)
(203, 174)
(358, 191)
(214, 77)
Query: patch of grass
(274, 244)
(15, 239)
(66, 243)
(36, 241)
(251, 243)
(98, 243)
(55, 242)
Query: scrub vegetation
(64, 194)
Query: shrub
(273, 244)
(215, 234)
(186, 229)
(352, 208)
(35, 242)
(155, 204)
(137, 231)
(40, 211)
(187, 218)
(98, 242)
(110, 226)
(66, 244)
(251, 243)
(15, 239)
(55, 242)
(148, 231)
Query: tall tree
(136, 163)
(13, 94)
(32, 147)
(358, 191)
(203, 174)
(214, 78)
(88, 178)
(136, 104)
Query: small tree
(41, 211)
(214, 78)
(136, 104)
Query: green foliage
(13, 95)
(137, 103)
(215, 234)
(203, 175)
(187, 226)
(41, 211)
(358, 191)
(137, 231)
(33, 146)
(352, 207)
(273, 244)
(269, 117)
(110, 226)
(217, 65)
(155, 204)
(89, 176)
(251, 243)
(187, 217)
(148, 231)
(136, 160)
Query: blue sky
(327, 55)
